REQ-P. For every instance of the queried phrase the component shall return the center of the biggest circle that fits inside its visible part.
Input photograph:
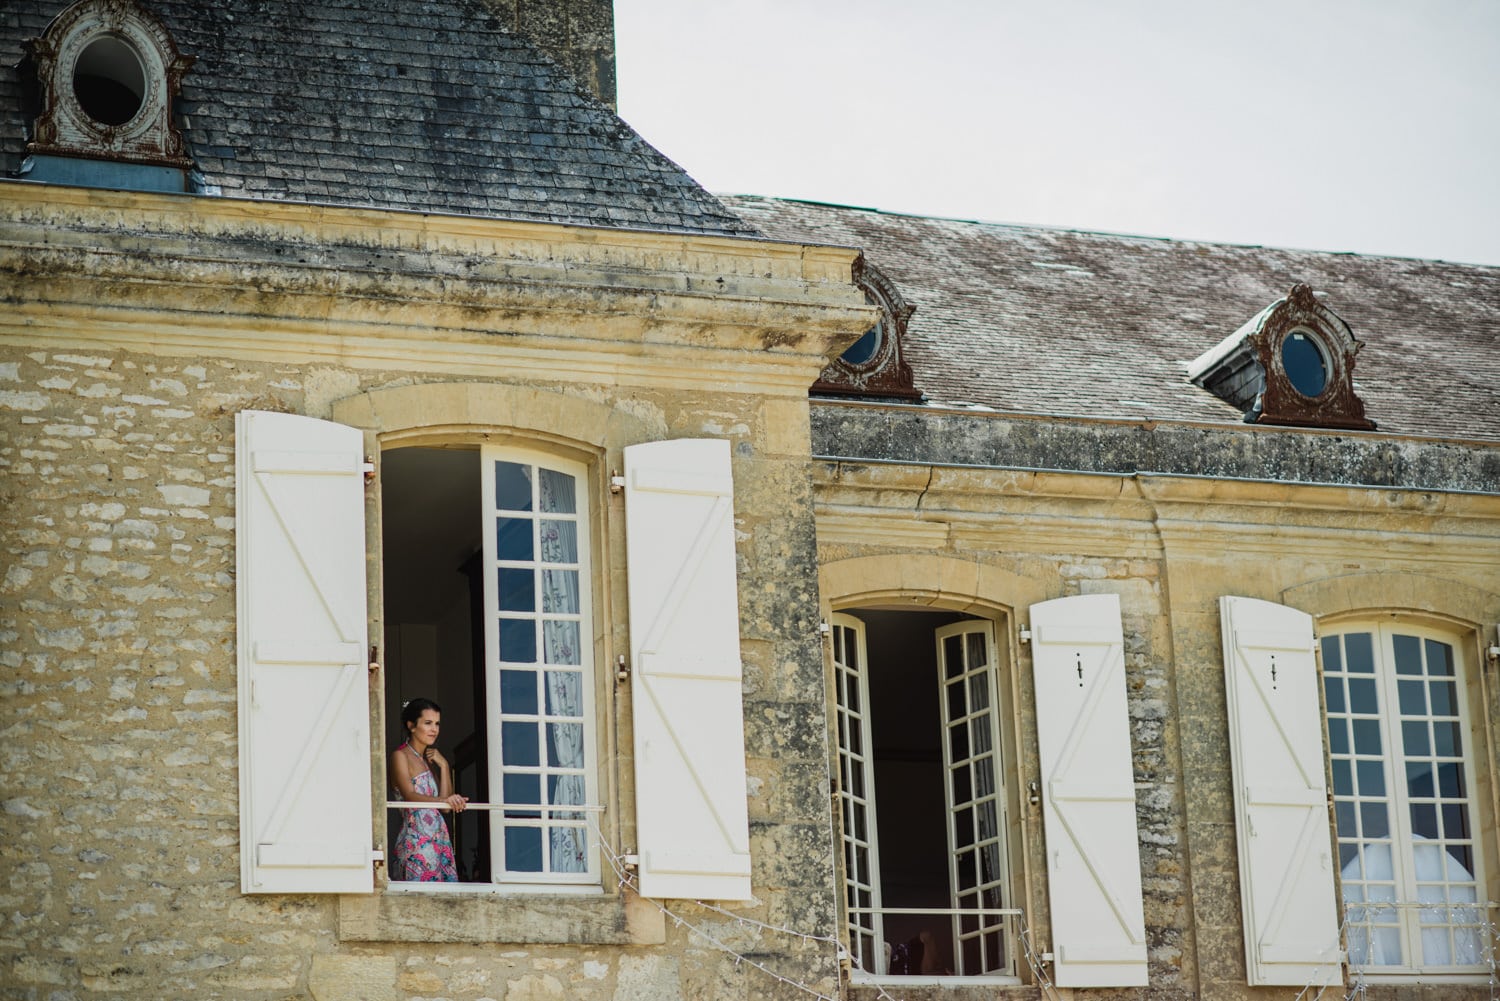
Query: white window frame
(1406, 874)
(852, 678)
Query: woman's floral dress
(423, 852)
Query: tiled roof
(427, 105)
(1042, 321)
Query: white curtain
(560, 645)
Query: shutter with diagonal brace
(303, 704)
(691, 814)
(1088, 792)
(1280, 793)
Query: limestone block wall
(990, 541)
(117, 709)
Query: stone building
(1111, 613)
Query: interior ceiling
(430, 512)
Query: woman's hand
(457, 802)
(435, 759)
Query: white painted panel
(303, 692)
(1088, 792)
(1280, 794)
(691, 814)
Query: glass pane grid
(542, 751)
(1406, 853)
(866, 936)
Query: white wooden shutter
(1088, 792)
(691, 815)
(1280, 795)
(303, 708)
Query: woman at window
(420, 774)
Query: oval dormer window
(109, 81)
(864, 350)
(1306, 363)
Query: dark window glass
(1366, 736)
(1439, 658)
(1414, 739)
(1359, 652)
(1408, 654)
(1333, 691)
(1424, 820)
(1305, 366)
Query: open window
(487, 611)
(490, 599)
(922, 795)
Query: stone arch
(432, 411)
(927, 580)
(1395, 592)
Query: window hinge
(622, 672)
(616, 482)
(631, 861)
(377, 859)
(374, 659)
(824, 628)
(1025, 635)
(1494, 653)
(368, 468)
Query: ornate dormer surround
(108, 72)
(1292, 364)
(874, 365)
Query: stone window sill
(511, 919)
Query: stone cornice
(373, 289)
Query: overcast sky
(1354, 125)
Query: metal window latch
(616, 482)
(1033, 793)
(374, 659)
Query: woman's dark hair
(412, 711)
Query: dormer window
(873, 365)
(1292, 364)
(108, 72)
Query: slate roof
(408, 104)
(1043, 321)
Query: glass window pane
(980, 733)
(564, 693)
(512, 486)
(975, 645)
(1374, 821)
(1408, 654)
(1367, 736)
(1455, 821)
(956, 708)
(1414, 739)
(1424, 820)
(565, 789)
(518, 692)
(1447, 740)
(1359, 653)
(1332, 659)
(558, 492)
(562, 644)
(963, 788)
(963, 828)
(1429, 859)
(1460, 863)
(517, 589)
(565, 745)
(1333, 691)
(953, 656)
(1444, 698)
(1386, 945)
(1371, 775)
(526, 789)
(568, 850)
(958, 742)
(559, 541)
(1439, 658)
(519, 744)
(523, 849)
(560, 591)
(513, 539)
(1343, 811)
(1413, 698)
(1451, 781)
(1362, 696)
(979, 692)
(518, 641)
(1419, 779)
(1338, 736)
(1343, 779)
